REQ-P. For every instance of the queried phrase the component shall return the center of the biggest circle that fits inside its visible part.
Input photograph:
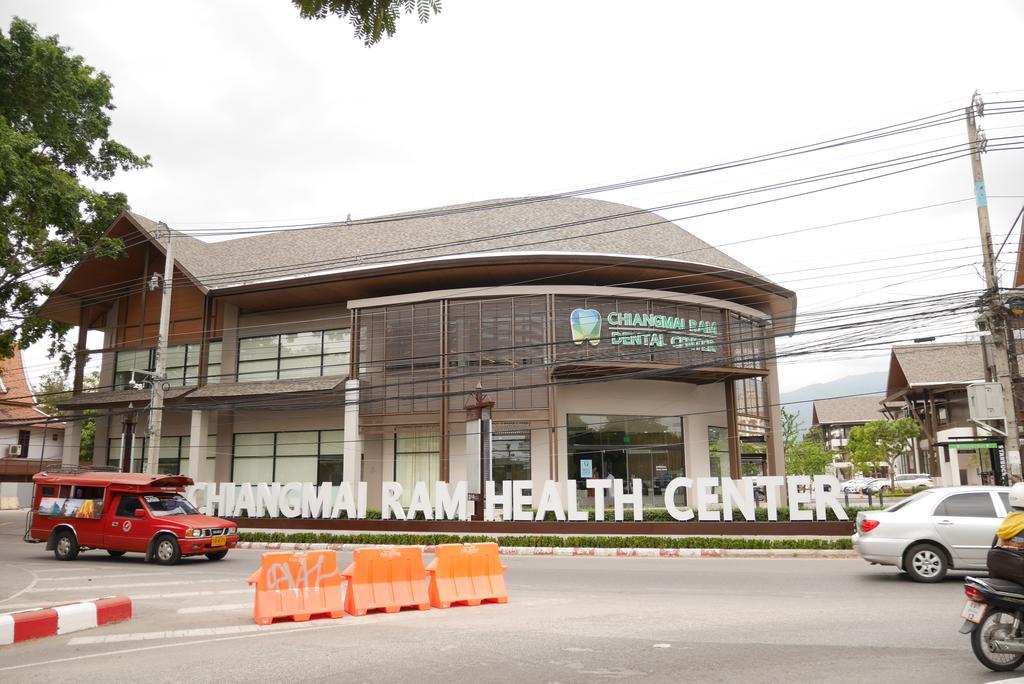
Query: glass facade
(510, 455)
(293, 355)
(417, 459)
(306, 456)
(718, 451)
(625, 447)
(182, 367)
(173, 456)
(410, 354)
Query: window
(510, 454)
(181, 367)
(417, 459)
(174, 504)
(1005, 498)
(213, 372)
(127, 506)
(718, 451)
(308, 456)
(138, 451)
(971, 505)
(293, 355)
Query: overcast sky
(253, 115)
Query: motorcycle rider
(1011, 531)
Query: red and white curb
(72, 617)
(625, 552)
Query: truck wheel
(217, 555)
(115, 554)
(65, 546)
(166, 550)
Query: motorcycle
(994, 617)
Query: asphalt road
(568, 620)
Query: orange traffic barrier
(387, 579)
(297, 585)
(466, 573)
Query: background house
(836, 417)
(28, 440)
(928, 382)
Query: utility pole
(480, 469)
(993, 311)
(156, 402)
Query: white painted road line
(263, 632)
(123, 587)
(215, 609)
(64, 578)
(142, 597)
(187, 594)
(186, 633)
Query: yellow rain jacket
(1012, 526)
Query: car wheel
(166, 551)
(65, 546)
(116, 554)
(217, 555)
(926, 563)
(996, 626)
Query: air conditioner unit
(14, 450)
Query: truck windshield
(170, 505)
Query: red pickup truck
(123, 513)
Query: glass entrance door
(641, 467)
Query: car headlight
(191, 534)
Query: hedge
(654, 514)
(642, 542)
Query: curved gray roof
(564, 224)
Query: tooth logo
(586, 326)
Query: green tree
(371, 19)
(882, 441)
(55, 387)
(54, 135)
(790, 429)
(808, 456)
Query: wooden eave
(87, 292)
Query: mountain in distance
(866, 383)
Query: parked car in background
(912, 480)
(856, 485)
(934, 531)
(878, 484)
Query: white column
(469, 467)
(72, 443)
(353, 447)
(197, 442)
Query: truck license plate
(973, 611)
(221, 540)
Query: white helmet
(1017, 496)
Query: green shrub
(590, 541)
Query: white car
(934, 531)
(912, 480)
(856, 485)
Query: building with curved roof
(612, 343)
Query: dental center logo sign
(710, 499)
(644, 329)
